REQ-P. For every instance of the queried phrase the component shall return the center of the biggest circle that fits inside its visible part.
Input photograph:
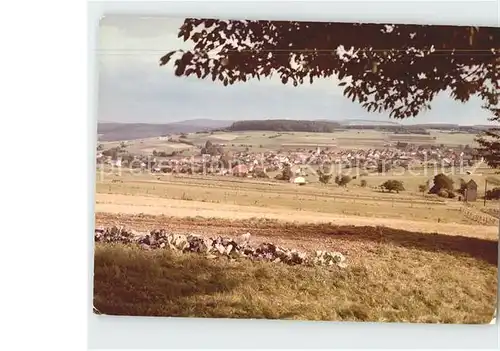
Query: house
(299, 181)
(240, 171)
(470, 193)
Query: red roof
(240, 169)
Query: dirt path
(130, 205)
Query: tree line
(285, 125)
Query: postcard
(297, 170)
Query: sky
(133, 88)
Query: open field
(149, 205)
(312, 202)
(268, 140)
(147, 146)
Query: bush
(323, 177)
(287, 173)
(260, 174)
(113, 153)
(493, 194)
(363, 183)
(422, 188)
(212, 150)
(342, 180)
(393, 185)
(443, 193)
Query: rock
(228, 249)
(220, 248)
(145, 247)
(214, 248)
(197, 244)
(243, 239)
(266, 249)
(248, 251)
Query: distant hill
(285, 125)
(111, 131)
(365, 122)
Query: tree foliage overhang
(384, 67)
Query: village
(217, 159)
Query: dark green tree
(463, 186)
(422, 188)
(324, 178)
(342, 180)
(393, 185)
(287, 173)
(441, 182)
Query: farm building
(299, 181)
(470, 191)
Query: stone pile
(218, 247)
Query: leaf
(346, 91)
(196, 37)
(341, 84)
(179, 71)
(166, 58)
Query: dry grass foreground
(393, 276)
